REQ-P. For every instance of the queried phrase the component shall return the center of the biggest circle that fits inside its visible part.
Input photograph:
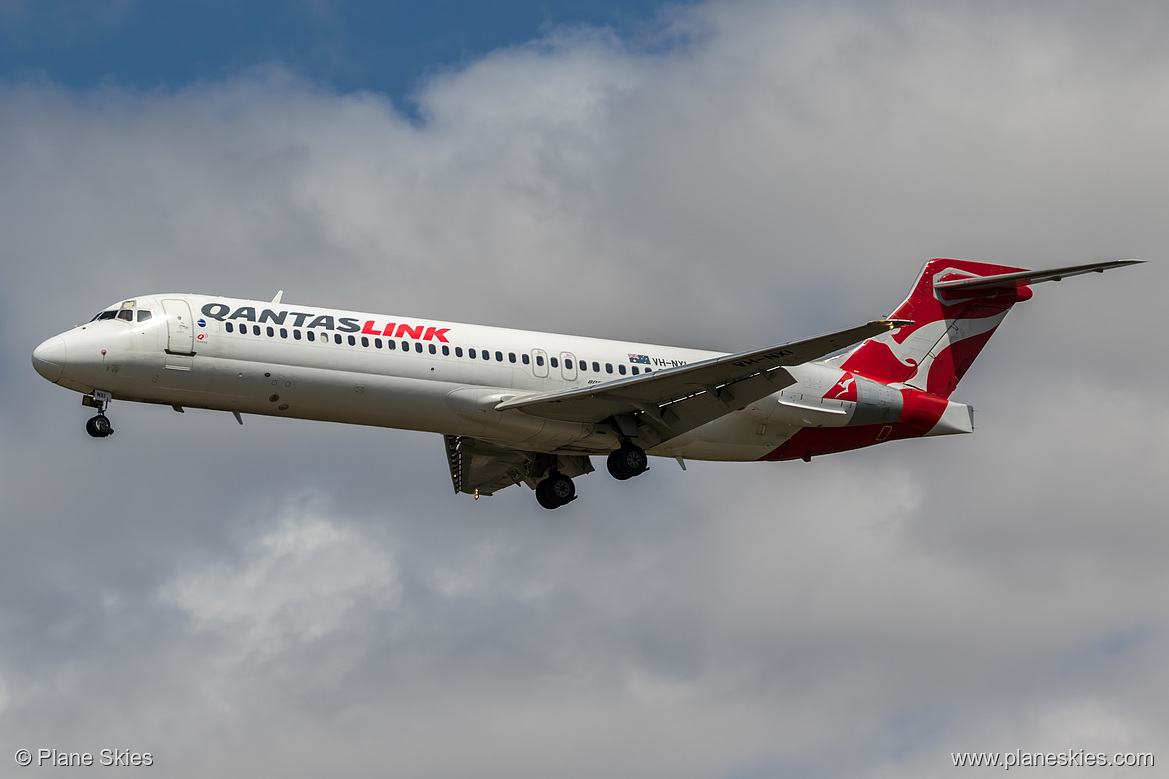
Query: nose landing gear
(98, 426)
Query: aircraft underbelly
(298, 392)
(735, 437)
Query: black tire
(561, 488)
(99, 426)
(615, 466)
(545, 497)
(634, 459)
(554, 491)
(627, 462)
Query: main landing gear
(628, 461)
(555, 491)
(98, 426)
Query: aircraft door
(568, 366)
(180, 327)
(539, 363)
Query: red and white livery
(520, 407)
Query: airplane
(522, 407)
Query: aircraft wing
(673, 401)
(480, 467)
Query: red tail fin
(949, 329)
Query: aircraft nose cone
(49, 358)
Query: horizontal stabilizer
(1028, 277)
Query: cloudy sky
(294, 599)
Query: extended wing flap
(676, 400)
(481, 467)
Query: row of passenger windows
(391, 345)
(126, 314)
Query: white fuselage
(258, 357)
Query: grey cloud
(293, 598)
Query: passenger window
(309, 334)
(405, 346)
(229, 327)
(143, 315)
(126, 314)
(540, 360)
(486, 354)
(377, 343)
(567, 364)
(337, 338)
(283, 333)
(296, 335)
(525, 358)
(511, 356)
(554, 362)
(446, 351)
(458, 351)
(352, 341)
(271, 332)
(608, 367)
(471, 353)
(596, 367)
(418, 347)
(364, 341)
(635, 370)
(255, 329)
(621, 369)
(433, 349)
(391, 345)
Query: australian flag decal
(640, 359)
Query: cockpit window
(124, 311)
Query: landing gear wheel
(627, 462)
(555, 491)
(99, 426)
(543, 498)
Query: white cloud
(300, 581)
(776, 171)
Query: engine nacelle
(875, 403)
